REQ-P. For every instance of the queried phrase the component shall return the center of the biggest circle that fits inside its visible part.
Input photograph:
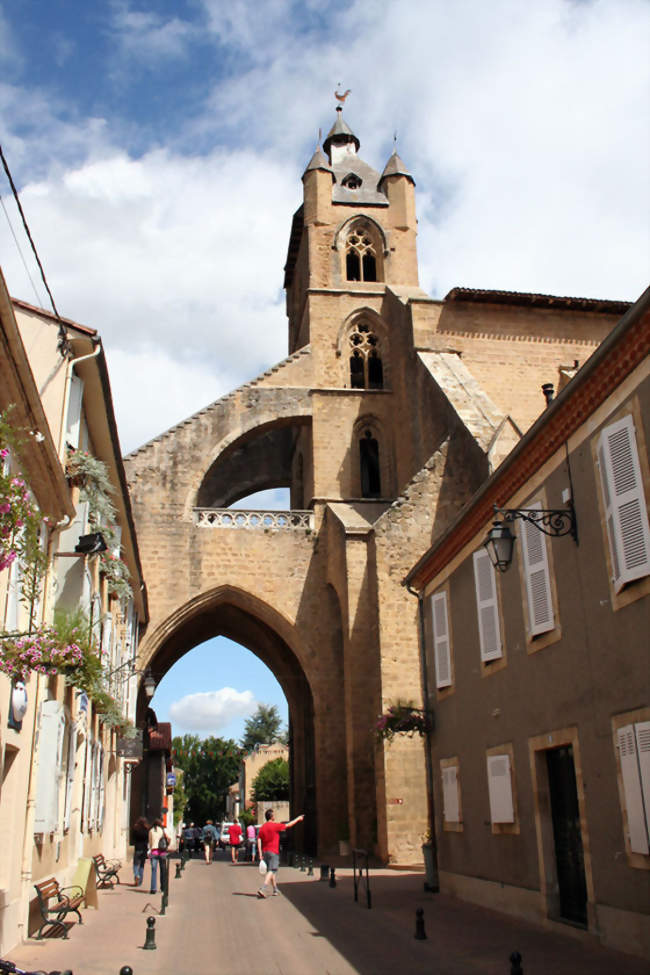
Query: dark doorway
(567, 836)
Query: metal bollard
(302, 863)
(150, 940)
(310, 872)
(515, 964)
(332, 877)
(178, 870)
(125, 970)
(324, 871)
(420, 933)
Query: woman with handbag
(158, 845)
(140, 835)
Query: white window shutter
(538, 577)
(50, 743)
(451, 811)
(101, 796)
(636, 821)
(69, 779)
(75, 400)
(500, 789)
(625, 506)
(107, 634)
(642, 735)
(487, 606)
(441, 648)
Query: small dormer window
(351, 181)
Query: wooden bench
(68, 900)
(106, 871)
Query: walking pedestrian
(188, 838)
(209, 839)
(268, 846)
(158, 846)
(140, 837)
(251, 841)
(234, 835)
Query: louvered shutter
(50, 743)
(537, 575)
(451, 812)
(636, 818)
(625, 507)
(107, 634)
(75, 400)
(441, 648)
(487, 606)
(500, 789)
(642, 735)
(69, 779)
(101, 791)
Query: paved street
(215, 925)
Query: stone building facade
(388, 414)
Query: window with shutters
(50, 757)
(487, 608)
(535, 566)
(501, 789)
(624, 503)
(452, 818)
(632, 743)
(441, 640)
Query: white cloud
(148, 36)
(211, 711)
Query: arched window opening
(369, 462)
(366, 370)
(360, 256)
(351, 181)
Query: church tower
(351, 265)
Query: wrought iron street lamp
(554, 522)
(149, 681)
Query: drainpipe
(66, 394)
(435, 886)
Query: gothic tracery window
(360, 256)
(366, 370)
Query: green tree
(210, 766)
(263, 728)
(272, 781)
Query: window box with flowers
(403, 719)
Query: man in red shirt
(268, 846)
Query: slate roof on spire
(318, 161)
(395, 167)
(340, 132)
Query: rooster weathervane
(341, 96)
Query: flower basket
(403, 719)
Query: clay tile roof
(540, 301)
(160, 739)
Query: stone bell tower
(351, 266)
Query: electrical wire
(39, 300)
(64, 344)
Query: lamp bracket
(551, 521)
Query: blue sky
(158, 149)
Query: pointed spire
(395, 167)
(318, 160)
(340, 134)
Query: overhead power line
(63, 338)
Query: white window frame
(441, 639)
(537, 575)
(450, 798)
(74, 413)
(487, 607)
(633, 743)
(626, 513)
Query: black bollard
(324, 871)
(515, 964)
(332, 877)
(420, 933)
(150, 940)
(178, 870)
(310, 872)
(125, 970)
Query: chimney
(549, 391)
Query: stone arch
(362, 245)
(255, 459)
(246, 619)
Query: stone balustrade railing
(244, 518)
